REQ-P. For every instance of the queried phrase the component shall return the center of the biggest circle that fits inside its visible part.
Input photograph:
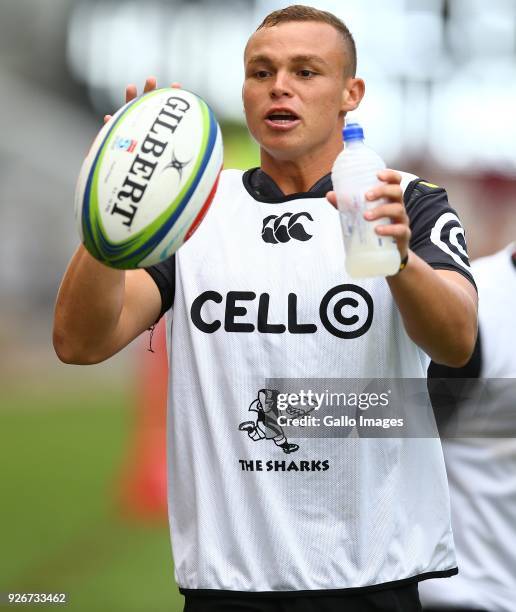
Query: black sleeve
(450, 387)
(164, 275)
(437, 233)
(472, 369)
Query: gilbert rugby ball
(148, 179)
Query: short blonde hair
(300, 12)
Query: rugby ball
(148, 179)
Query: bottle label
(357, 231)
(352, 218)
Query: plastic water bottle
(353, 174)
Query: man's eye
(306, 73)
(261, 74)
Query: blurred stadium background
(80, 448)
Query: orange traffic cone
(144, 477)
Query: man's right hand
(100, 310)
(131, 92)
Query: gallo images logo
(285, 227)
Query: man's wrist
(403, 263)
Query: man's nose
(281, 86)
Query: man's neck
(299, 175)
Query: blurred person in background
(482, 468)
(262, 524)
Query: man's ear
(354, 90)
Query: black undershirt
(263, 189)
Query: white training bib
(261, 292)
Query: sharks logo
(266, 424)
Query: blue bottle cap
(352, 131)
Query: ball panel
(140, 126)
(175, 238)
(91, 222)
(168, 228)
(202, 213)
(129, 253)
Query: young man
(348, 523)
(480, 451)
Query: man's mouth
(282, 119)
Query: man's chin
(282, 152)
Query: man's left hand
(392, 207)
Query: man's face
(293, 88)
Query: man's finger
(391, 192)
(107, 118)
(389, 176)
(150, 84)
(130, 92)
(396, 230)
(176, 85)
(331, 196)
(392, 211)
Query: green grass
(61, 456)
(240, 151)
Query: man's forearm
(88, 307)
(439, 314)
